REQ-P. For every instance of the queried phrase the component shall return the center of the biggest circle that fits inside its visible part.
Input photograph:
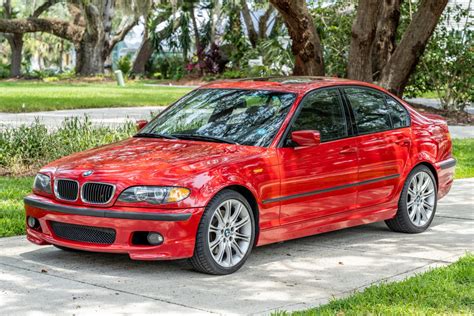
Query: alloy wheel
(230, 233)
(421, 199)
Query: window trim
(349, 123)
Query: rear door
(314, 179)
(383, 143)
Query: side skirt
(325, 224)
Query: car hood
(150, 158)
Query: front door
(314, 179)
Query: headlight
(42, 183)
(154, 195)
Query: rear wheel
(417, 205)
(225, 235)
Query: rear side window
(398, 114)
(324, 112)
(370, 111)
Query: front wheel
(225, 235)
(417, 205)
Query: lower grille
(89, 234)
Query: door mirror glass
(306, 138)
(141, 124)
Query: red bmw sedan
(238, 164)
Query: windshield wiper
(205, 137)
(155, 135)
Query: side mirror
(306, 138)
(141, 124)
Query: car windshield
(247, 117)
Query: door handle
(348, 150)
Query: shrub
(24, 149)
(169, 67)
(4, 71)
(124, 64)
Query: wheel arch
(432, 169)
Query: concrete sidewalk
(287, 276)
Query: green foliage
(463, 151)
(441, 291)
(41, 74)
(446, 66)
(334, 24)
(28, 147)
(4, 71)
(168, 66)
(124, 64)
(236, 43)
(24, 96)
(233, 74)
(12, 214)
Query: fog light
(32, 222)
(154, 238)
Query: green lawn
(12, 215)
(463, 150)
(442, 291)
(24, 96)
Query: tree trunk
(384, 43)
(90, 51)
(253, 36)
(263, 22)
(402, 63)
(89, 57)
(359, 65)
(306, 45)
(16, 46)
(197, 40)
(144, 54)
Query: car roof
(294, 84)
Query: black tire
(202, 259)
(401, 222)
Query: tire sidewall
(402, 205)
(206, 221)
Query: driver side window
(322, 111)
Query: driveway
(286, 276)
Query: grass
(429, 95)
(463, 150)
(442, 291)
(21, 96)
(12, 215)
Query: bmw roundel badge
(87, 173)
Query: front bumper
(177, 226)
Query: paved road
(290, 276)
(102, 116)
